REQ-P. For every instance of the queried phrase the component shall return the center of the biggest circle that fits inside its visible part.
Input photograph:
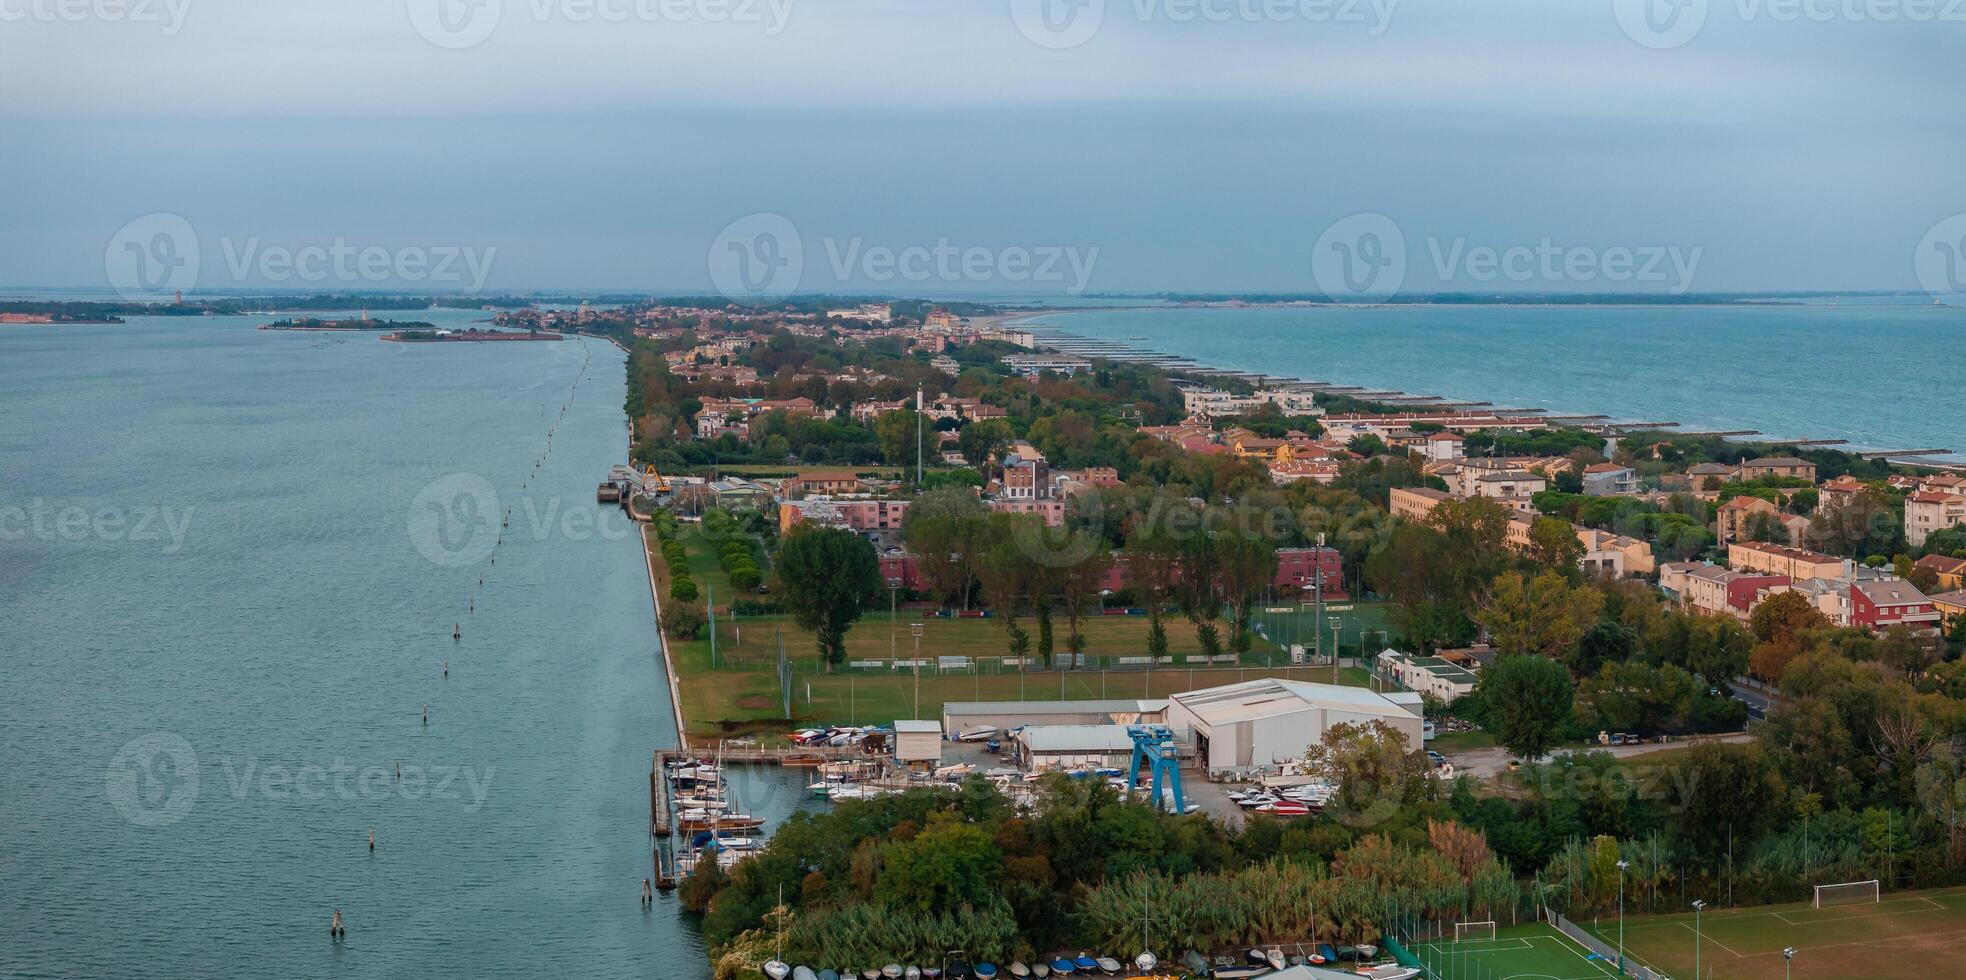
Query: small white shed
(918, 741)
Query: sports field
(1531, 952)
(1904, 935)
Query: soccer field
(1528, 952)
(1905, 935)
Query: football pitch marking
(1521, 943)
(1871, 910)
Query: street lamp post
(1788, 957)
(1697, 906)
(1622, 865)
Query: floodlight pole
(1697, 906)
(1788, 956)
(1622, 865)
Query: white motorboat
(978, 734)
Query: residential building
(1706, 479)
(1609, 480)
(1775, 559)
(1023, 478)
(1442, 446)
(1951, 571)
(1883, 603)
(1951, 607)
(1840, 491)
(1416, 503)
(1051, 511)
(1731, 520)
(1032, 365)
(1716, 589)
(1788, 466)
(873, 518)
(1615, 555)
(822, 481)
(1932, 510)
(1305, 568)
(1511, 488)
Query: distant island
(54, 316)
(353, 323)
(424, 336)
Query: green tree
(1554, 546)
(949, 865)
(1722, 794)
(1545, 615)
(1527, 700)
(948, 530)
(829, 574)
(896, 433)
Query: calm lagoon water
(218, 633)
(1881, 375)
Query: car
(1618, 738)
(1436, 758)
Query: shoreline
(1127, 351)
(662, 641)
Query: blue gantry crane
(1154, 744)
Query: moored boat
(986, 971)
(1063, 967)
(1018, 969)
(1108, 965)
(804, 973)
(777, 969)
(1084, 963)
(913, 972)
(892, 971)
(1275, 958)
(1041, 970)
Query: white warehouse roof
(1271, 697)
(1076, 738)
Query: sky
(983, 147)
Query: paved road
(1484, 763)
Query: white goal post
(1847, 893)
(1474, 930)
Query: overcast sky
(1134, 145)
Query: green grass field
(1527, 952)
(740, 691)
(1904, 935)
